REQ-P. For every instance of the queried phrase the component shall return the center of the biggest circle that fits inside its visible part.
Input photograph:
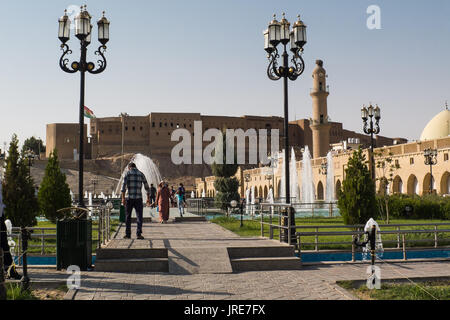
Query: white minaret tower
(319, 123)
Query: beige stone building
(412, 176)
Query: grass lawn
(431, 290)
(252, 228)
(52, 250)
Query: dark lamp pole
(279, 32)
(430, 160)
(83, 30)
(367, 115)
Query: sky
(207, 56)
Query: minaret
(319, 123)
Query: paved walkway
(309, 283)
(190, 242)
(193, 247)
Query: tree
(54, 193)
(226, 184)
(386, 167)
(357, 202)
(21, 205)
(33, 144)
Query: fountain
(247, 200)
(293, 178)
(192, 194)
(203, 194)
(147, 167)
(90, 200)
(253, 200)
(373, 244)
(308, 194)
(72, 196)
(283, 179)
(270, 200)
(330, 196)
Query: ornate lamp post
(371, 128)
(324, 168)
(83, 31)
(279, 32)
(430, 160)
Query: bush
(54, 193)
(357, 202)
(426, 207)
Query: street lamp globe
(377, 113)
(274, 32)
(294, 47)
(299, 29)
(103, 30)
(82, 24)
(267, 45)
(364, 113)
(64, 28)
(371, 111)
(285, 31)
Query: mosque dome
(438, 127)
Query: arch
(266, 192)
(412, 187)
(256, 192)
(445, 183)
(260, 192)
(320, 191)
(426, 184)
(338, 189)
(397, 185)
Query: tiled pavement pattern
(310, 283)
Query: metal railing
(101, 214)
(281, 221)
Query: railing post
(398, 237)
(316, 241)
(270, 227)
(435, 237)
(262, 224)
(353, 248)
(289, 226)
(99, 236)
(104, 225)
(42, 242)
(404, 247)
(279, 223)
(299, 247)
(331, 210)
(312, 208)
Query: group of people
(160, 198)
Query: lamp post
(83, 31)
(279, 32)
(430, 160)
(371, 128)
(324, 168)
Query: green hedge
(426, 207)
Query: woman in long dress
(163, 201)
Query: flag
(88, 113)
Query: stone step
(111, 253)
(189, 219)
(258, 252)
(266, 264)
(132, 265)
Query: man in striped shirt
(133, 181)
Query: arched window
(320, 191)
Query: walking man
(133, 182)
(180, 198)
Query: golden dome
(438, 127)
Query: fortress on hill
(151, 134)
